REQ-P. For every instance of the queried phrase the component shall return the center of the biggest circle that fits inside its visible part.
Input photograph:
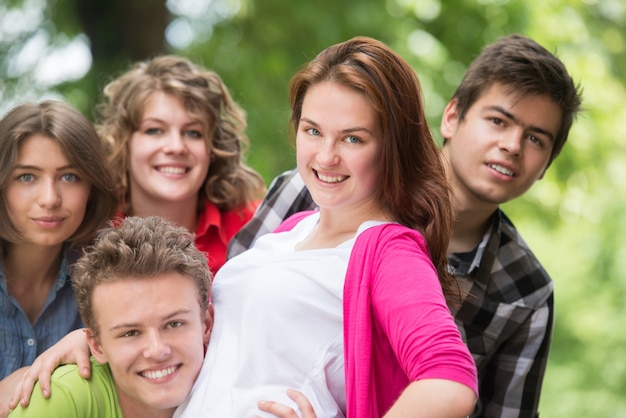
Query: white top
(278, 325)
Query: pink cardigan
(397, 326)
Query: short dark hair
(526, 68)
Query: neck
(468, 227)
(181, 213)
(337, 226)
(131, 409)
(30, 272)
(32, 264)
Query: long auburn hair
(412, 187)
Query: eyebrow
(36, 168)
(344, 131)
(532, 128)
(174, 314)
(159, 120)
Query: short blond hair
(138, 247)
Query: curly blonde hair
(230, 183)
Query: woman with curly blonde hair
(176, 141)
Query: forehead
(144, 298)
(40, 147)
(338, 106)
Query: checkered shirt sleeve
(287, 195)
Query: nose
(511, 142)
(175, 144)
(49, 196)
(327, 155)
(156, 346)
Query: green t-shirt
(75, 397)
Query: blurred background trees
(574, 218)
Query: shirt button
(30, 342)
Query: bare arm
(7, 386)
(434, 398)
(70, 349)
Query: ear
(95, 347)
(449, 120)
(208, 324)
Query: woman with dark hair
(56, 191)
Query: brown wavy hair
(230, 183)
(412, 187)
(138, 247)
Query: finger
(39, 371)
(303, 403)
(7, 388)
(22, 392)
(277, 409)
(84, 364)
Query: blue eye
(353, 139)
(69, 177)
(313, 131)
(26, 178)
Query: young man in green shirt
(143, 292)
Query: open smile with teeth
(159, 374)
(330, 179)
(502, 170)
(172, 170)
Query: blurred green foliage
(574, 218)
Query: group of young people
(169, 141)
(378, 278)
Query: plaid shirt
(506, 315)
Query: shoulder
(514, 270)
(513, 250)
(239, 216)
(293, 220)
(66, 388)
(286, 178)
(390, 249)
(390, 234)
(72, 394)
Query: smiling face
(152, 335)
(169, 159)
(46, 196)
(338, 142)
(500, 148)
